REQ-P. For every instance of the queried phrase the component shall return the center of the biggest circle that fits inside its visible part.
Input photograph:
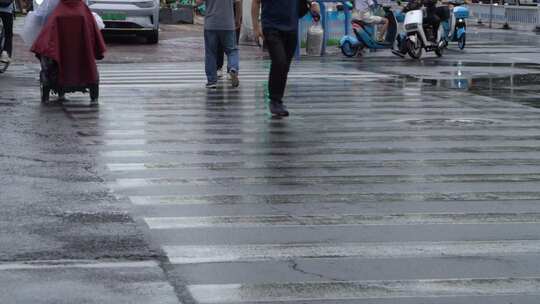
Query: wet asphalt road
(393, 181)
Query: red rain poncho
(72, 39)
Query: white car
(140, 17)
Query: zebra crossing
(188, 75)
(377, 189)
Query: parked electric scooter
(364, 35)
(419, 35)
(455, 27)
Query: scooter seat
(358, 22)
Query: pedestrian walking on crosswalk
(219, 29)
(279, 20)
(238, 25)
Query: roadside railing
(506, 15)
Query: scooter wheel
(439, 52)
(45, 93)
(348, 49)
(3, 67)
(44, 88)
(94, 92)
(462, 41)
(414, 51)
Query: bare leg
(383, 29)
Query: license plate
(113, 16)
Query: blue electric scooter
(364, 35)
(455, 27)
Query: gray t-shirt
(219, 15)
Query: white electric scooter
(416, 40)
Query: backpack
(5, 3)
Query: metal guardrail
(522, 15)
(506, 14)
(484, 12)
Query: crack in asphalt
(39, 160)
(294, 265)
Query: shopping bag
(99, 21)
(32, 27)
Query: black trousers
(7, 19)
(433, 19)
(281, 47)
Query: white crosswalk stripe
(364, 290)
(369, 193)
(164, 76)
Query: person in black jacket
(432, 18)
(279, 19)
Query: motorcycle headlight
(460, 20)
(144, 4)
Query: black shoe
(211, 85)
(278, 109)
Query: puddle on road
(449, 122)
(524, 89)
(508, 85)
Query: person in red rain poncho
(72, 39)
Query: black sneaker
(211, 85)
(278, 109)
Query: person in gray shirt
(219, 29)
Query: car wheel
(153, 37)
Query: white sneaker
(220, 73)
(5, 57)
